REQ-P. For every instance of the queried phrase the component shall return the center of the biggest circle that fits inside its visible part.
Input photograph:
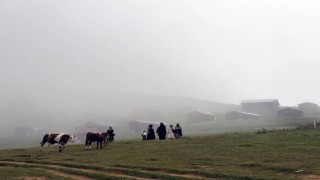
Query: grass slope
(282, 154)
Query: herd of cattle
(62, 139)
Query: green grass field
(281, 154)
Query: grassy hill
(279, 154)
(67, 112)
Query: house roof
(307, 103)
(246, 113)
(285, 107)
(149, 122)
(261, 101)
(288, 108)
(204, 112)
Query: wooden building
(238, 115)
(263, 107)
(290, 112)
(308, 106)
(200, 116)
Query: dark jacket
(111, 134)
(178, 131)
(150, 134)
(162, 132)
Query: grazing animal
(96, 137)
(62, 139)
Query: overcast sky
(225, 51)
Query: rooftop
(307, 103)
(149, 122)
(260, 101)
(289, 108)
(204, 112)
(251, 114)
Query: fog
(66, 60)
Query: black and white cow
(62, 139)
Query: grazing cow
(96, 137)
(62, 139)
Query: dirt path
(33, 178)
(71, 176)
(311, 177)
(5, 167)
(191, 176)
(59, 173)
(108, 173)
(54, 172)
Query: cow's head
(72, 138)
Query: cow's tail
(87, 140)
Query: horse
(61, 138)
(100, 138)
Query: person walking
(150, 133)
(178, 131)
(162, 132)
(144, 135)
(170, 132)
(111, 134)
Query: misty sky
(223, 51)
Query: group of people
(170, 133)
(163, 133)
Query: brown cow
(96, 137)
(62, 139)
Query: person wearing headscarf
(178, 130)
(171, 132)
(162, 132)
(150, 133)
(111, 134)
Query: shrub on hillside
(262, 131)
(309, 126)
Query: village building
(289, 112)
(263, 107)
(200, 116)
(238, 115)
(308, 106)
